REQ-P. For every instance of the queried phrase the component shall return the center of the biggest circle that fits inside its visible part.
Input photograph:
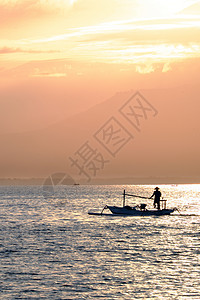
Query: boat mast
(124, 194)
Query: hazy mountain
(40, 93)
(167, 145)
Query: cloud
(75, 12)
(13, 11)
(84, 11)
(132, 30)
(130, 40)
(89, 30)
(13, 5)
(8, 50)
(46, 74)
(166, 67)
(145, 69)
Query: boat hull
(131, 211)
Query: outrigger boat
(138, 210)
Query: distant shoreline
(105, 181)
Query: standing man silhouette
(157, 196)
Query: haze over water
(52, 249)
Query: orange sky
(59, 58)
(142, 32)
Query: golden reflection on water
(76, 256)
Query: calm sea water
(52, 249)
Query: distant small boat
(138, 210)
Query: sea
(51, 248)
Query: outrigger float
(138, 210)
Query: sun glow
(160, 8)
(72, 2)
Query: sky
(142, 32)
(61, 58)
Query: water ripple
(51, 249)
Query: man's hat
(157, 188)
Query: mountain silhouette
(166, 146)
